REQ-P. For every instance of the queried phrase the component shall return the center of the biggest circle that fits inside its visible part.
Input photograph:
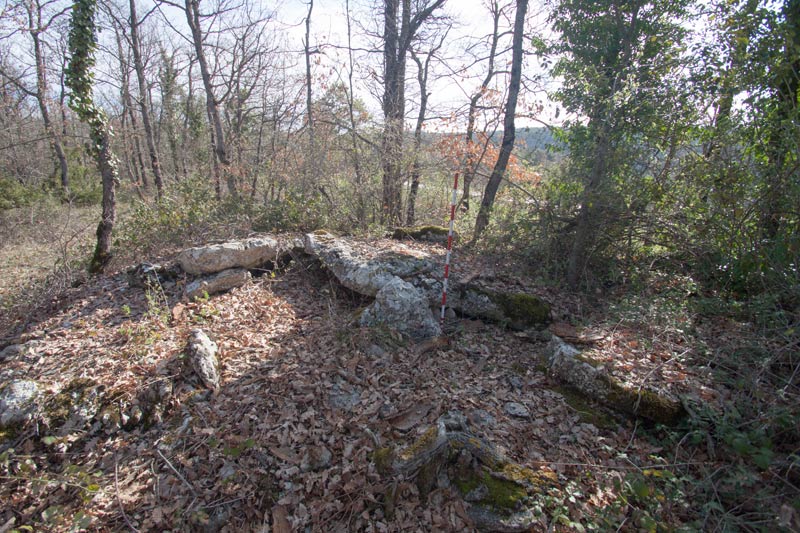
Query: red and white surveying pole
(449, 248)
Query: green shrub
(85, 186)
(14, 194)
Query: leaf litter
(285, 443)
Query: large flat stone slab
(247, 253)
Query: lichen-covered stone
(202, 358)
(565, 363)
(220, 282)
(247, 253)
(518, 310)
(501, 495)
(74, 407)
(19, 400)
(403, 307)
(364, 275)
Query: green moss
(383, 459)
(586, 411)
(523, 310)
(74, 393)
(503, 496)
(644, 403)
(425, 441)
(422, 233)
(8, 434)
(526, 476)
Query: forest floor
(299, 374)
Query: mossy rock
(518, 310)
(644, 403)
(8, 434)
(523, 310)
(587, 412)
(502, 495)
(436, 234)
(75, 406)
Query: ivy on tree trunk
(80, 80)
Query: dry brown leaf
(280, 520)
(284, 453)
(410, 417)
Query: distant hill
(536, 145)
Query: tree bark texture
(222, 169)
(400, 28)
(138, 64)
(509, 132)
(472, 159)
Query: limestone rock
(202, 358)
(366, 272)
(363, 273)
(248, 253)
(566, 364)
(74, 408)
(220, 282)
(19, 400)
(403, 307)
(16, 350)
(517, 409)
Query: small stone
(342, 399)
(12, 352)
(18, 402)
(516, 382)
(316, 458)
(517, 409)
(248, 253)
(202, 359)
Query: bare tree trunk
(222, 160)
(138, 64)
(472, 160)
(509, 131)
(396, 40)
(416, 170)
(138, 167)
(168, 77)
(187, 113)
(360, 202)
(35, 25)
(311, 156)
